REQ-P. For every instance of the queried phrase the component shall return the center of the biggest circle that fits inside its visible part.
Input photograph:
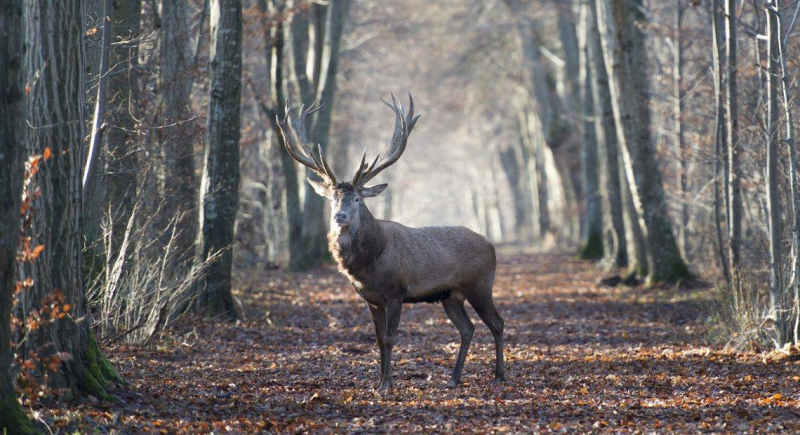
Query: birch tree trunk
(180, 188)
(732, 146)
(778, 298)
(593, 229)
(12, 157)
(616, 255)
(624, 54)
(56, 112)
(219, 188)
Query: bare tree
(593, 229)
(624, 54)
(732, 146)
(219, 188)
(315, 41)
(175, 89)
(678, 140)
(12, 156)
(121, 138)
(719, 135)
(778, 297)
(611, 180)
(56, 113)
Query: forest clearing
(581, 359)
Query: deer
(390, 264)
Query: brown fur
(390, 264)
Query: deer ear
(322, 189)
(369, 192)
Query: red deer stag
(390, 264)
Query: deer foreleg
(379, 319)
(392, 322)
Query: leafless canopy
(402, 129)
(297, 143)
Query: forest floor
(581, 359)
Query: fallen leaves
(601, 360)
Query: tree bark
(680, 146)
(56, 112)
(123, 91)
(734, 170)
(624, 54)
(326, 53)
(719, 136)
(616, 255)
(592, 237)
(12, 157)
(175, 52)
(219, 189)
(778, 297)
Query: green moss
(98, 372)
(593, 249)
(677, 271)
(14, 421)
(91, 385)
(103, 366)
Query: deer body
(390, 264)
(386, 260)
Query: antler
(297, 144)
(402, 129)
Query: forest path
(581, 359)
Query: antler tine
(297, 145)
(360, 169)
(402, 129)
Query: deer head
(347, 198)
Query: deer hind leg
(485, 308)
(454, 307)
(379, 319)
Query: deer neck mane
(356, 248)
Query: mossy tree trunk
(55, 110)
(12, 156)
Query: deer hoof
(385, 386)
(498, 380)
(452, 384)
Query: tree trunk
(624, 54)
(512, 168)
(56, 111)
(734, 170)
(592, 237)
(719, 136)
(219, 189)
(326, 54)
(12, 157)
(175, 51)
(121, 141)
(794, 188)
(93, 186)
(778, 297)
(616, 254)
(680, 146)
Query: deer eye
(357, 199)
